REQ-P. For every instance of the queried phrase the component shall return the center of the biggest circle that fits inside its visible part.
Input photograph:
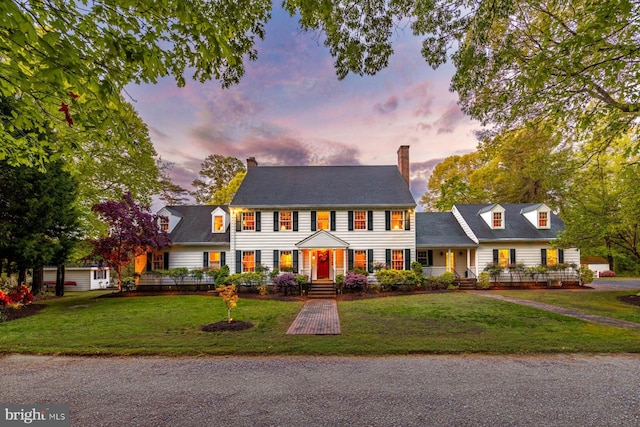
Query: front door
(323, 264)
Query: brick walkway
(565, 311)
(317, 317)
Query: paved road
(566, 390)
(615, 284)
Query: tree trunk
(22, 276)
(60, 281)
(38, 278)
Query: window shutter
(295, 261)
(205, 259)
(314, 221)
(512, 256)
(350, 214)
(276, 220)
(407, 220)
(350, 259)
(370, 260)
(561, 256)
(332, 226)
(149, 261)
(295, 220)
(387, 220)
(238, 261)
(258, 260)
(407, 259)
(223, 258)
(430, 257)
(276, 259)
(387, 257)
(543, 256)
(258, 221)
(369, 220)
(238, 221)
(496, 259)
(166, 260)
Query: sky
(290, 108)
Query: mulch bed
(630, 299)
(234, 325)
(24, 311)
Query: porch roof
(440, 229)
(322, 239)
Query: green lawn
(446, 323)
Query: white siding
(528, 253)
(192, 257)
(83, 276)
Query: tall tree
(216, 172)
(171, 193)
(133, 231)
(224, 195)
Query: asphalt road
(615, 284)
(565, 390)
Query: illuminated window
(497, 220)
(552, 257)
(397, 260)
(218, 224)
(248, 261)
(543, 219)
(360, 260)
(248, 221)
(164, 223)
(286, 220)
(214, 260)
(397, 220)
(503, 257)
(323, 220)
(360, 220)
(286, 260)
(158, 261)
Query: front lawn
(444, 323)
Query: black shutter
(238, 221)
(295, 220)
(561, 256)
(258, 226)
(407, 220)
(276, 220)
(543, 256)
(350, 259)
(350, 226)
(333, 220)
(166, 260)
(205, 259)
(314, 221)
(295, 261)
(223, 258)
(387, 257)
(238, 261)
(407, 259)
(430, 257)
(370, 260)
(258, 260)
(149, 261)
(512, 256)
(369, 220)
(387, 220)
(496, 259)
(276, 259)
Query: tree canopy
(216, 173)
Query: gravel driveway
(565, 390)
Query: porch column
(468, 259)
(333, 264)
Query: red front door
(323, 264)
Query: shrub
(355, 282)
(17, 296)
(484, 280)
(393, 279)
(416, 267)
(585, 274)
(220, 275)
(285, 283)
(494, 270)
(447, 279)
(607, 273)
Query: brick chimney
(251, 162)
(403, 162)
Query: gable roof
(322, 239)
(516, 226)
(323, 186)
(438, 229)
(195, 225)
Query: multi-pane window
(360, 259)
(286, 260)
(360, 220)
(543, 219)
(397, 259)
(503, 257)
(286, 220)
(552, 257)
(158, 261)
(497, 220)
(248, 261)
(100, 274)
(214, 260)
(218, 224)
(397, 220)
(422, 257)
(164, 223)
(323, 220)
(248, 221)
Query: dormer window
(497, 220)
(543, 219)
(164, 223)
(218, 224)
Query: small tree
(133, 231)
(229, 295)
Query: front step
(322, 290)
(467, 284)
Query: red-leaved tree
(133, 231)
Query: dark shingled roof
(517, 227)
(438, 229)
(195, 225)
(323, 186)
